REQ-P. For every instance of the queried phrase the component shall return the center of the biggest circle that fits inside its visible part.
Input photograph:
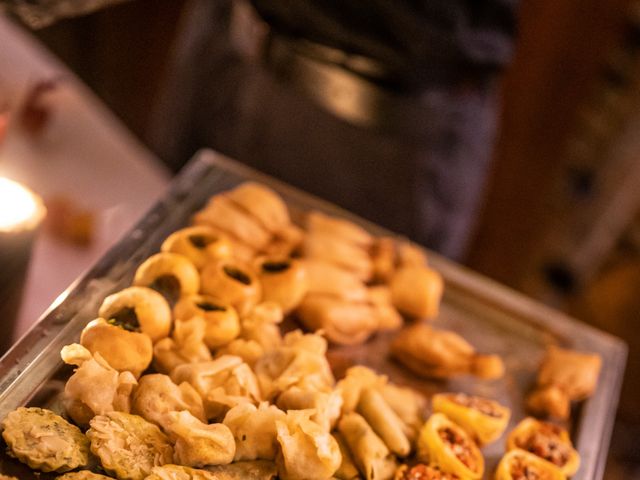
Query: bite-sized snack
(44, 441)
(200, 244)
(327, 406)
(233, 283)
(341, 228)
(370, 454)
(80, 475)
(449, 447)
(347, 469)
(411, 254)
(548, 441)
(123, 349)
(327, 248)
(409, 406)
(138, 309)
(575, 373)
(299, 361)
(428, 352)
(307, 451)
(221, 319)
(157, 395)
(484, 419)
(250, 470)
(254, 430)
(227, 216)
(262, 325)
(549, 401)
(342, 322)
(357, 379)
(198, 444)
(186, 346)
(325, 278)
(249, 351)
(417, 291)
(384, 421)
(262, 203)
(422, 472)
(520, 465)
(222, 383)
(170, 274)
(286, 241)
(283, 280)
(386, 314)
(127, 445)
(383, 258)
(95, 387)
(180, 472)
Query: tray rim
(592, 437)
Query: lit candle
(21, 213)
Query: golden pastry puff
(200, 244)
(520, 465)
(138, 308)
(232, 282)
(221, 319)
(547, 441)
(262, 203)
(283, 280)
(171, 274)
(484, 419)
(123, 349)
(416, 291)
(449, 447)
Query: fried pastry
(547, 441)
(254, 430)
(249, 351)
(428, 352)
(180, 472)
(283, 280)
(186, 346)
(342, 322)
(417, 291)
(44, 441)
(422, 472)
(327, 279)
(198, 444)
(221, 320)
(383, 258)
(286, 241)
(575, 373)
(387, 316)
(327, 406)
(409, 406)
(127, 445)
(343, 229)
(449, 447)
(232, 282)
(370, 454)
(262, 325)
(485, 420)
(138, 309)
(81, 475)
(263, 204)
(410, 254)
(249, 470)
(170, 274)
(357, 379)
(124, 350)
(520, 465)
(347, 469)
(327, 248)
(223, 214)
(157, 395)
(200, 244)
(549, 401)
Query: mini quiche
(44, 441)
(521, 465)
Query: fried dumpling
(249, 470)
(80, 475)
(186, 346)
(95, 388)
(262, 325)
(157, 395)
(44, 441)
(354, 382)
(254, 430)
(408, 404)
(180, 472)
(384, 421)
(198, 444)
(521, 465)
(327, 406)
(307, 451)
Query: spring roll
(348, 469)
(384, 421)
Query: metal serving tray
(492, 317)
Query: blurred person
(386, 107)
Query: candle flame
(17, 204)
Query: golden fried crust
(232, 282)
(82, 475)
(575, 373)
(200, 244)
(179, 472)
(127, 445)
(44, 441)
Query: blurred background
(559, 217)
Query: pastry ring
(221, 319)
(138, 309)
(200, 244)
(232, 282)
(171, 274)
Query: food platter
(492, 317)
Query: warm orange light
(20, 208)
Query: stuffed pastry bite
(82, 475)
(416, 291)
(484, 419)
(221, 320)
(254, 430)
(262, 203)
(422, 472)
(449, 447)
(233, 283)
(548, 441)
(186, 345)
(283, 280)
(200, 244)
(170, 274)
(44, 441)
(249, 470)
(521, 465)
